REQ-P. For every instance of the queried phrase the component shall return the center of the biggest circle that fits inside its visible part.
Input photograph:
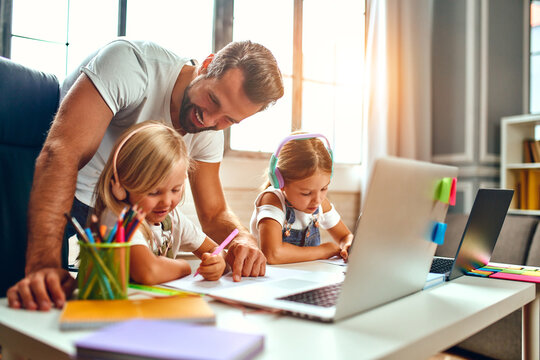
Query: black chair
(28, 101)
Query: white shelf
(514, 130)
(519, 166)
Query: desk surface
(413, 327)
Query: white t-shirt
(136, 79)
(327, 220)
(184, 236)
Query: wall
(480, 74)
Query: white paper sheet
(201, 286)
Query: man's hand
(42, 289)
(245, 258)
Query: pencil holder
(103, 271)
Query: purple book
(155, 339)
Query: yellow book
(524, 187)
(533, 191)
(92, 314)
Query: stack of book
(528, 180)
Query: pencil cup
(103, 271)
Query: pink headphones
(118, 191)
(276, 179)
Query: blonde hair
(299, 159)
(143, 162)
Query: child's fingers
(212, 267)
(208, 259)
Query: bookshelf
(518, 170)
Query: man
(128, 82)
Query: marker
(120, 235)
(222, 246)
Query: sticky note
(437, 233)
(531, 273)
(452, 199)
(518, 277)
(480, 272)
(444, 189)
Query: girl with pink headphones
(289, 212)
(148, 168)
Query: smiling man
(124, 83)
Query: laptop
(390, 258)
(480, 235)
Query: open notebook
(398, 215)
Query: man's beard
(186, 114)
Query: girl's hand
(345, 244)
(212, 266)
(344, 253)
(331, 249)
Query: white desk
(414, 327)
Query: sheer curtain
(397, 106)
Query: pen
(222, 246)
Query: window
(324, 78)
(319, 48)
(55, 36)
(534, 97)
(182, 26)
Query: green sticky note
(443, 190)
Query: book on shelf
(531, 151)
(153, 339)
(92, 314)
(528, 189)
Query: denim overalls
(306, 237)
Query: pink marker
(222, 246)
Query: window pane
(332, 69)
(44, 56)
(182, 26)
(535, 26)
(84, 36)
(535, 39)
(323, 102)
(535, 84)
(333, 39)
(269, 23)
(255, 20)
(264, 130)
(46, 20)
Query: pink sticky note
(517, 277)
(452, 199)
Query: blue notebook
(155, 339)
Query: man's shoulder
(143, 48)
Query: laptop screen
(482, 230)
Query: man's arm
(73, 139)
(218, 221)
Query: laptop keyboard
(325, 296)
(441, 266)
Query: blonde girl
(148, 168)
(293, 205)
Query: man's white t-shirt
(136, 79)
